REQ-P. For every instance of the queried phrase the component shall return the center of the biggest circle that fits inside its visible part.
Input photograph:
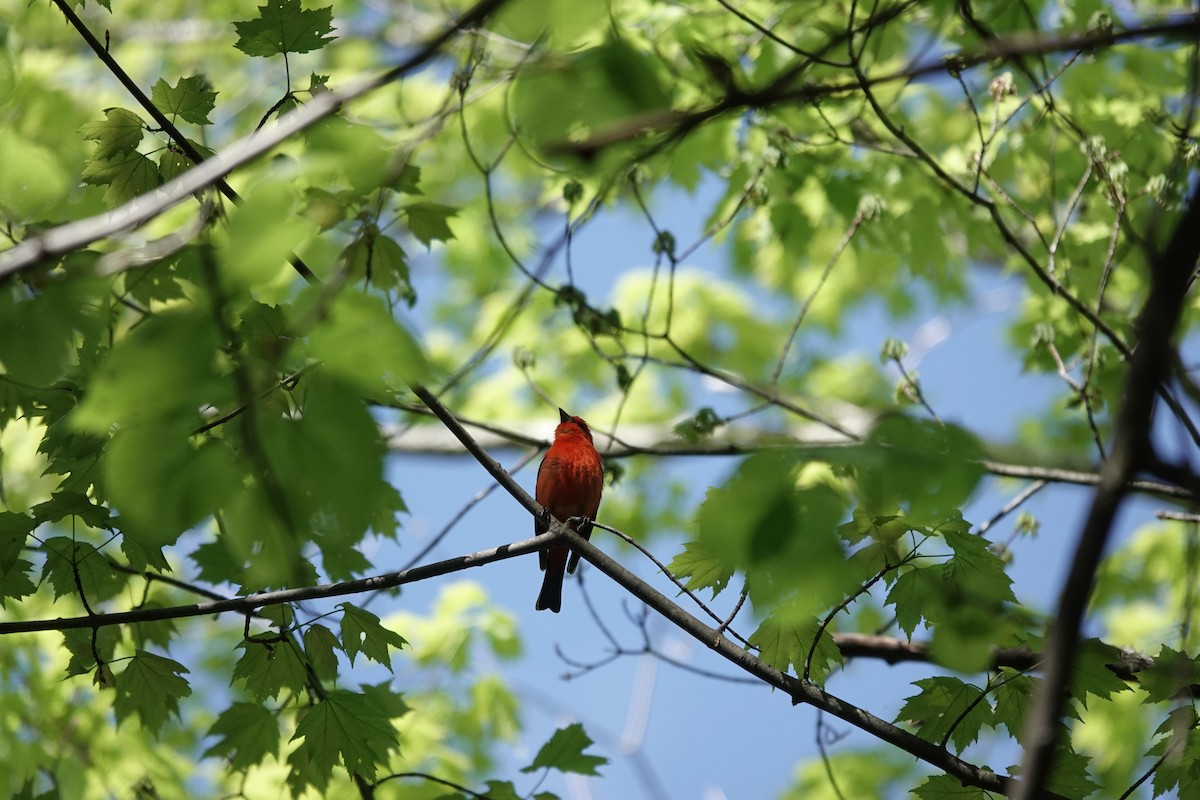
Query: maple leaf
(564, 752)
(283, 27)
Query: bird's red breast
(569, 484)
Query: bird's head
(571, 426)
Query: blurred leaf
(360, 341)
(162, 484)
(34, 181)
(264, 231)
(429, 222)
(781, 534)
(568, 96)
(163, 370)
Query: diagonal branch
(251, 602)
(798, 690)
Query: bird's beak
(563, 416)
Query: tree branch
(1131, 450)
(251, 602)
(677, 123)
(799, 691)
(893, 650)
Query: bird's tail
(550, 597)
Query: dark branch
(1131, 450)
(251, 602)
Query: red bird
(569, 483)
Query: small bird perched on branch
(569, 483)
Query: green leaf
(172, 164)
(975, 566)
(915, 591)
(264, 231)
(268, 669)
(502, 790)
(429, 221)
(14, 532)
(701, 568)
(782, 534)
(945, 787)
(283, 27)
(65, 559)
(119, 133)
(126, 174)
(319, 646)
(785, 637)
(64, 504)
(381, 260)
(1179, 750)
(15, 581)
(217, 564)
(702, 425)
(143, 556)
(388, 701)
(926, 469)
(360, 341)
(363, 633)
(34, 181)
(39, 335)
(564, 752)
(191, 98)
(341, 153)
(330, 461)
(1091, 674)
(163, 484)
(947, 707)
(588, 91)
(1171, 676)
(1069, 776)
(150, 686)
(347, 728)
(1014, 696)
(84, 648)
(246, 734)
(165, 369)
